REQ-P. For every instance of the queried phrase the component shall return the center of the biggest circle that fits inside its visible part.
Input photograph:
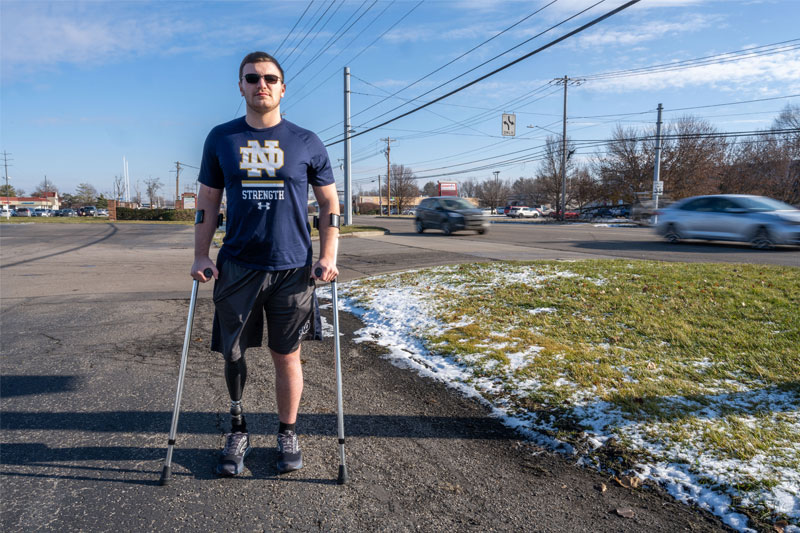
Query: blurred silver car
(761, 221)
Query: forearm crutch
(167, 471)
(339, 409)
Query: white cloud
(39, 35)
(645, 32)
(779, 70)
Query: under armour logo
(304, 329)
(263, 205)
(256, 158)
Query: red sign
(448, 188)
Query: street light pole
(564, 156)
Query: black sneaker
(231, 459)
(289, 455)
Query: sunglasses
(269, 79)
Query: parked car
(102, 212)
(523, 211)
(66, 213)
(568, 214)
(761, 221)
(449, 214)
(42, 212)
(24, 212)
(87, 211)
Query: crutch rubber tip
(165, 474)
(342, 475)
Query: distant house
(48, 201)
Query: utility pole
(177, 182)
(496, 184)
(389, 141)
(566, 81)
(658, 185)
(5, 164)
(348, 194)
(380, 197)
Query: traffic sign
(658, 187)
(509, 125)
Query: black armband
(335, 221)
(199, 216)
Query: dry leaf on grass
(629, 482)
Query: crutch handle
(208, 273)
(318, 272)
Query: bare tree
(152, 186)
(493, 192)
(44, 187)
(768, 165)
(530, 191)
(404, 186)
(549, 173)
(119, 187)
(693, 158)
(468, 188)
(625, 168)
(584, 189)
(85, 194)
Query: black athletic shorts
(243, 296)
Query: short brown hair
(258, 57)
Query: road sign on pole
(509, 125)
(658, 187)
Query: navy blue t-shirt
(265, 173)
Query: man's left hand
(327, 270)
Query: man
(264, 164)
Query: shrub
(126, 213)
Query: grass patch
(693, 364)
(344, 230)
(86, 220)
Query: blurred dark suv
(449, 214)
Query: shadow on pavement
(385, 426)
(30, 385)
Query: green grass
(86, 220)
(344, 230)
(692, 363)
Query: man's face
(261, 96)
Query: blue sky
(86, 83)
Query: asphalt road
(92, 320)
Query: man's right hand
(200, 264)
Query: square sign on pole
(509, 125)
(658, 187)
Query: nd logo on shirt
(257, 159)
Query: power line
(293, 28)
(486, 62)
(337, 35)
(365, 48)
(461, 56)
(756, 51)
(481, 78)
(314, 38)
(314, 25)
